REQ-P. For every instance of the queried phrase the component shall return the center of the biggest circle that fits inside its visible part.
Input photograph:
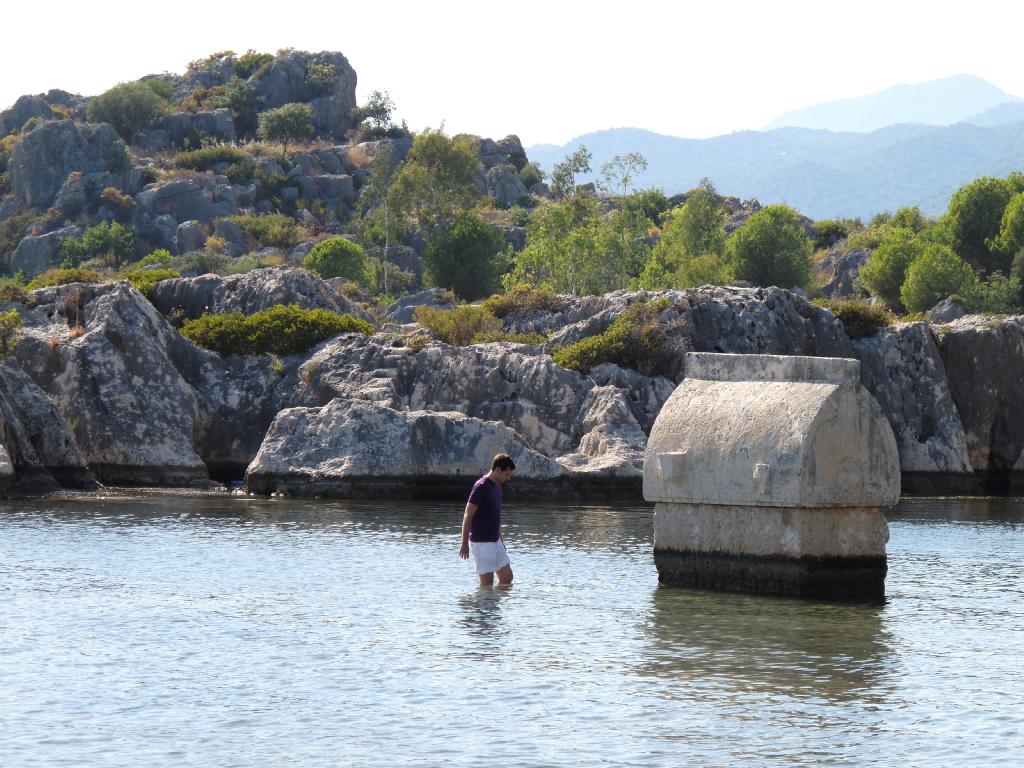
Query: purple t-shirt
(486, 523)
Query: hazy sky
(547, 71)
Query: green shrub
(12, 290)
(247, 64)
(145, 280)
(240, 173)
(530, 175)
(338, 257)
(273, 229)
(886, 269)
(399, 282)
(201, 263)
(10, 324)
(465, 257)
(129, 107)
(458, 326)
(204, 159)
(997, 295)
(934, 275)
(112, 242)
(634, 340)
(523, 299)
(860, 318)
(121, 204)
(160, 256)
(63, 277)
(280, 330)
(828, 232)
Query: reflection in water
(748, 644)
(481, 611)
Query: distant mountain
(1002, 114)
(821, 173)
(936, 102)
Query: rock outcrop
(902, 368)
(325, 80)
(251, 292)
(358, 448)
(983, 357)
(38, 453)
(43, 158)
(35, 255)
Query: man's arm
(467, 520)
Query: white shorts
(489, 556)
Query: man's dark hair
(503, 461)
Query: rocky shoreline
(103, 389)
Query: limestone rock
(35, 255)
(199, 199)
(505, 186)
(946, 311)
(251, 292)
(336, 187)
(352, 448)
(402, 310)
(114, 381)
(49, 435)
(983, 357)
(44, 157)
(902, 369)
(189, 236)
(189, 129)
(292, 77)
(842, 271)
(25, 108)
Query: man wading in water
(481, 524)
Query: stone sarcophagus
(771, 474)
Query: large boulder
(251, 292)
(902, 368)
(106, 358)
(357, 448)
(25, 108)
(44, 157)
(35, 255)
(983, 357)
(298, 76)
(36, 444)
(201, 199)
(504, 185)
(403, 310)
(189, 129)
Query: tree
(618, 173)
(975, 214)
(292, 122)
(1010, 240)
(337, 257)
(437, 181)
(937, 273)
(375, 193)
(886, 268)
(129, 107)
(771, 249)
(465, 258)
(375, 112)
(563, 175)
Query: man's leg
(486, 579)
(505, 575)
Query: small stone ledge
(152, 476)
